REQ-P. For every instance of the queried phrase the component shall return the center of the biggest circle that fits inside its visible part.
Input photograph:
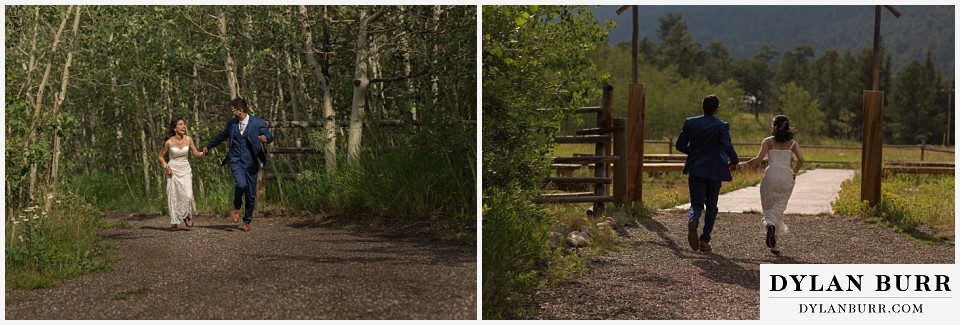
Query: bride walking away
(778, 179)
(179, 175)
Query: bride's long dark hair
(171, 131)
(782, 132)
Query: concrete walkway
(812, 194)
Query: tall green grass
(46, 246)
(919, 205)
(115, 192)
(517, 255)
(427, 178)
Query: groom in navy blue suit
(247, 135)
(710, 158)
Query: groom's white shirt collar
(243, 123)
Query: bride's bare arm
(193, 148)
(163, 152)
(796, 151)
(761, 154)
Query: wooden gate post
(604, 120)
(871, 157)
(620, 147)
(636, 105)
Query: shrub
(43, 247)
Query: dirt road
(286, 268)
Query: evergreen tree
(915, 115)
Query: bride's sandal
(188, 222)
(174, 228)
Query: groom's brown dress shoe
(245, 227)
(704, 247)
(692, 237)
(235, 216)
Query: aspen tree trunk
(144, 150)
(405, 49)
(308, 100)
(434, 80)
(322, 75)
(291, 86)
(232, 84)
(197, 126)
(360, 84)
(58, 100)
(38, 102)
(329, 114)
(377, 88)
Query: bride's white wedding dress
(180, 186)
(776, 188)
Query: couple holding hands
(710, 158)
(246, 135)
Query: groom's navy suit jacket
(706, 141)
(245, 148)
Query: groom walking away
(247, 134)
(710, 158)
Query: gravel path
(814, 192)
(657, 276)
(285, 268)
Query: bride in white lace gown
(778, 179)
(180, 201)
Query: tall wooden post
(636, 105)
(871, 157)
(620, 147)
(604, 120)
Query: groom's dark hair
(710, 104)
(239, 103)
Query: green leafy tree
(534, 58)
(913, 110)
(677, 47)
(757, 78)
(796, 66)
(803, 110)
(718, 66)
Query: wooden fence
(602, 159)
(264, 176)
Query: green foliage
(517, 257)
(824, 91)
(429, 177)
(112, 192)
(670, 97)
(44, 247)
(914, 108)
(907, 202)
(804, 112)
(534, 57)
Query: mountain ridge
(742, 29)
